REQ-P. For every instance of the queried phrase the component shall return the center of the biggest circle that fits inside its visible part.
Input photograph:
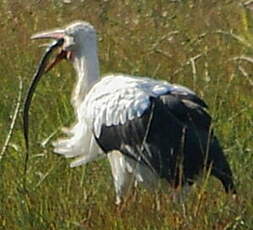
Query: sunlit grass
(189, 42)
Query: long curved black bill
(37, 76)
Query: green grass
(194, 43)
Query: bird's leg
(179, 194)
(122, 178)
(129, 197)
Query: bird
(149, 130)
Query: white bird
(149, 129)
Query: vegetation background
(206, 45)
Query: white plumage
(118, 98)
(142, 124)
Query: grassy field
(205, 45)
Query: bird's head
(77, 37)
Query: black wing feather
(172, 134)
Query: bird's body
(148, 128)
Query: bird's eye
(69, 42)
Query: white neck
(87, 68)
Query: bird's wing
(117, 99)
(139, 116)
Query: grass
(195, 43)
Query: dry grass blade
(13, 121)
(235, 37)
